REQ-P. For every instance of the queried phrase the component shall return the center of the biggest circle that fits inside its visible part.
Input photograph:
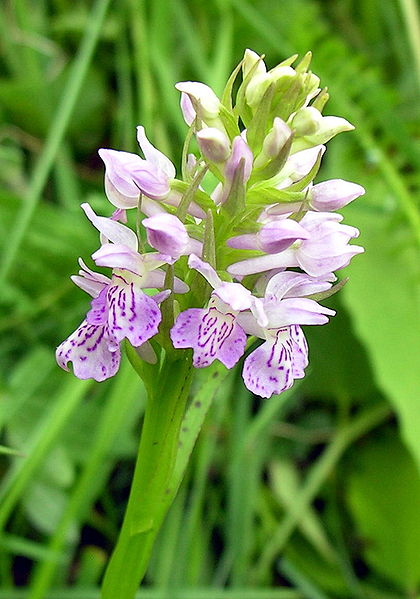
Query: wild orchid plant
(245, 247)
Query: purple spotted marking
(121, 310)
(211, 334)
(88, 348)
(272, 367)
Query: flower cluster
(237, 249)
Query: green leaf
(384, 497)
(382, 298)
(44, 505)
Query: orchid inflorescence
(245, 242)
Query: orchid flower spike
(246, 199)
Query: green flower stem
(151, 492)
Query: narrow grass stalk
(119, 404)
(58, 128)
(22, 473)
(360, 425)
(308, 589)
(197, 593)
(411, 15)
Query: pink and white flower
(127, 176)
(119, 309)
(213, 332)
(324, 250)
(283, 357)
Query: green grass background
(313, 494)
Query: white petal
(111, 229)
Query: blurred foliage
(313, 494)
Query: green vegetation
(313, 494)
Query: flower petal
(296, 311)
(88, 348)
(211, 334)
(119, 199)
(294, 284)
(153, 155)
(156, 279)
(268, 370)
(98, 314)
(204, 101)
(334, 194)
(235, 295)
(204, 269)
(300, 355)
(111, 229)
(261, 263)
(119, 256)
(167, 234)
(132, 314)
(119, 166)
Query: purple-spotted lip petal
(211, 334)
(268, 370)
(132, 314)
(94, 354)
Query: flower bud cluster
(238, 250)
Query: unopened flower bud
(252, 61)
(259, 84)
(167, 234)
(329, 127)
(214, 144)
(282, 73)
(240, 153)
(306, 121)
(204, 101)
(334, 194)
(276, 138)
